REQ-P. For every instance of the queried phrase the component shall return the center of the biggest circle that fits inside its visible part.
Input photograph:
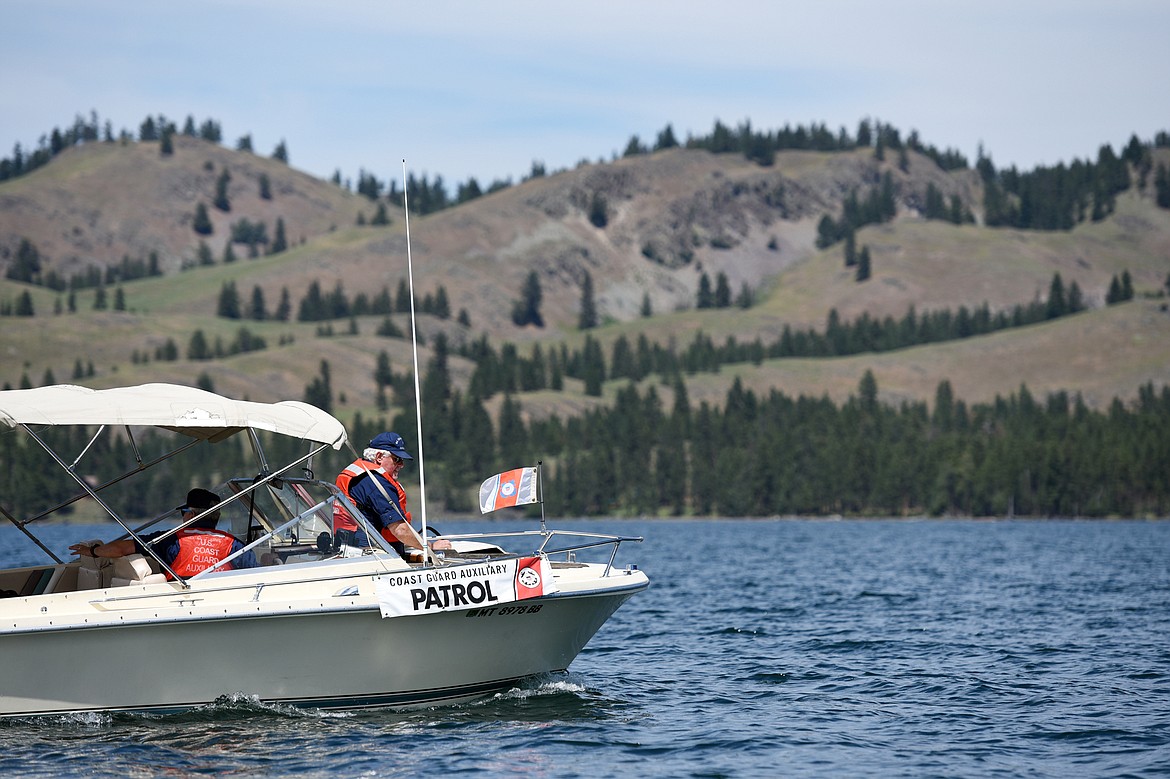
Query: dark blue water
(762, 648)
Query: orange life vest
(356, 470)
(199, 549)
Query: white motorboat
(313, 625)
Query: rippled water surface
(762, 648)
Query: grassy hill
(669, 218)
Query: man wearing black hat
(371, 482)
(195, 548)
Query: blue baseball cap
(392, 443)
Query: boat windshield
(292, 518)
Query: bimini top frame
(201, 415)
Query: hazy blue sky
(482, 89)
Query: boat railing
(597, 540)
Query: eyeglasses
(397, 460)
(183, 509)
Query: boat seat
(134, 569)
(93, 573)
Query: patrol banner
(516, 487)
(457, 588)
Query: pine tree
(1057, 303)
(864, 133)
(587, 319)
(197, 347)
(210, 131)
(722, 291)
(621, 363)
(593, 366)
(257, 310)
(513, 436)
(202, 221)
(319, 392)
(383, 373)
(598, 211)
(204, 255)
(168, 352)
(745, 298)
(229, 301)
(279, 242)
(634, 147)
(436, 396)
(526, 311)
(827, 232)
(1114, 295)
(284, 308)
(281, 152)
(704, 298)
(1076, 298)
(442, 306)
(850, 249)
(312, 307)
(147, 130)
(221, 197)
(402, 297)
(863, 264)
(666, 139)
(1162, 186)
(27, 265)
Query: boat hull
(327, 659)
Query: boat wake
(538, 687)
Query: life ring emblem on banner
(529, 578)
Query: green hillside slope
(671, 217)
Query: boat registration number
(504, 611)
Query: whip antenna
(422, 481)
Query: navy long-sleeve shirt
(381, 509)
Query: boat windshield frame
(18, 409)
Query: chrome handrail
(603, 539)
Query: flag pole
(422, 481)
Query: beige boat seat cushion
(134, 569)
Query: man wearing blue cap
(371, 483)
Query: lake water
(762, 648)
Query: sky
(484, 89)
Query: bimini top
(193, 412)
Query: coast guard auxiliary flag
(479, 588)
(516, 487)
